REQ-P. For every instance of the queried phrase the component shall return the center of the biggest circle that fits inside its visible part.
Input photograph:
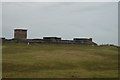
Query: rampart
(50, 41)
(20, 36)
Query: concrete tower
(20, 34)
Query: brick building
(20, 34)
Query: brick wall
(20, 34)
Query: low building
(51, 38)
(83, 40)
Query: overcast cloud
(97, 20)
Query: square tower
(20, 34)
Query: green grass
(59, 61)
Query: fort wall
(20, 36)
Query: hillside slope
(59, 61)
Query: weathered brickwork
(20, 34)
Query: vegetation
(59, 61)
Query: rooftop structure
(20, 34)
(51, 38)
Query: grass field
(59, 61)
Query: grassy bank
(59, 61)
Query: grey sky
(98, 20)
(0, 18)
